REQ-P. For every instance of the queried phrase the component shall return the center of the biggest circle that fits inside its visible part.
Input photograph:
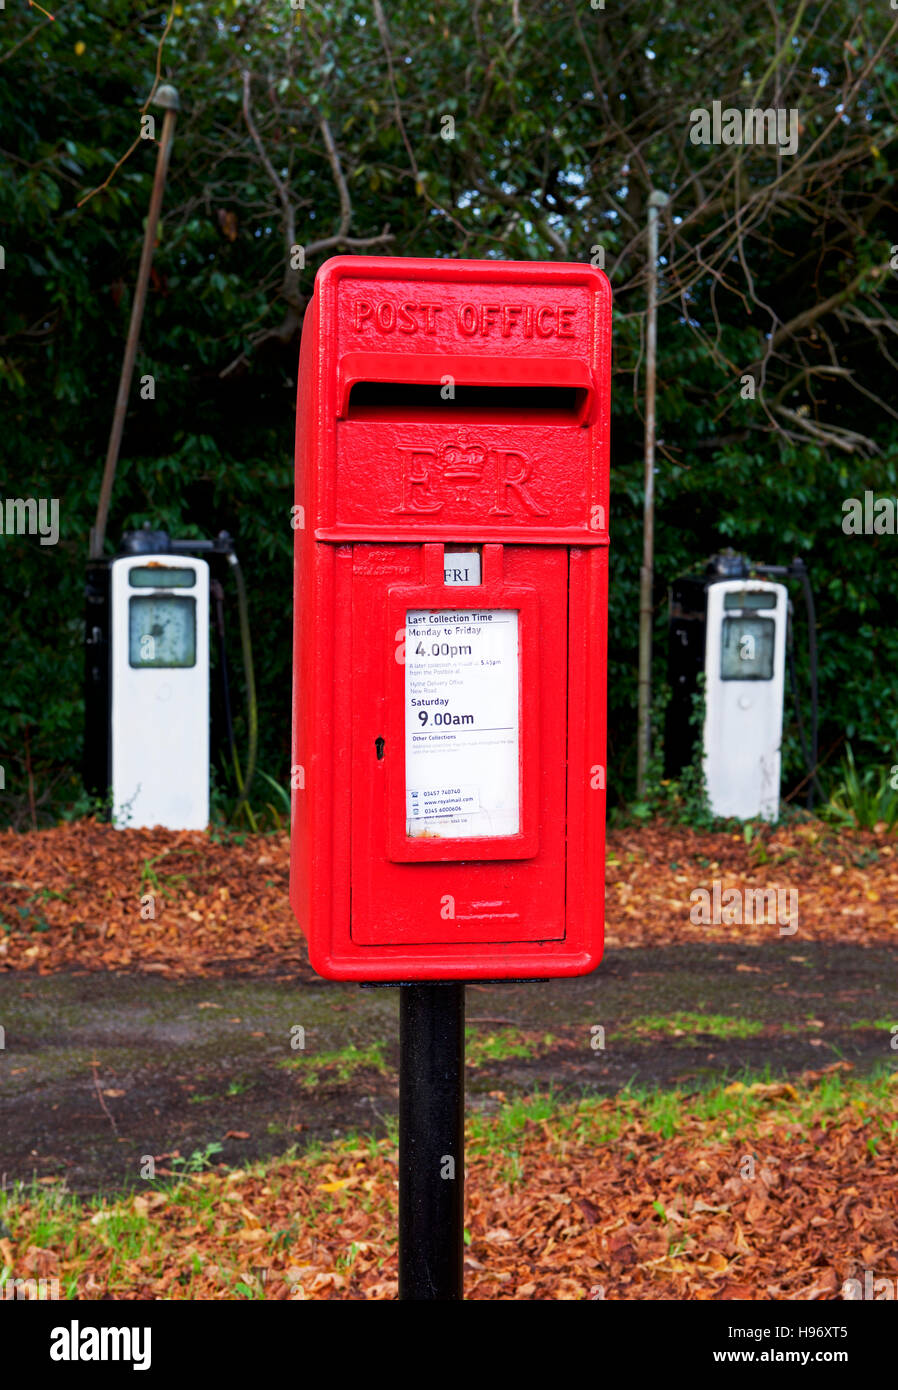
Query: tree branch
(290, 288)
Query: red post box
(450, 611)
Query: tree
(520, 130)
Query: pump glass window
(161, 577)
(747, 649)
(161, 631)
(749, 598)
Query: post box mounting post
(450, 635)
(431, 1141)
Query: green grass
(338, 1065)
(683, 1023)
(739, 1104)
(498, 1047)
(803, 1109)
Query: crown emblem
(463, 462)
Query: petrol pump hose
(246, 645)
(218, 596)
(798, 570)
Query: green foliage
(540, 169)
(279, 809)
(681, 800)
(199, 1160)
(23, 917)
(864, 799)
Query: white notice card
(462, 754)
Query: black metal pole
(431, 1140)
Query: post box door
(472, 850)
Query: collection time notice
(462, 756)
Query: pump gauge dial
(746, 651)
(161, 630)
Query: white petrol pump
(745, 664)
(159, 691)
